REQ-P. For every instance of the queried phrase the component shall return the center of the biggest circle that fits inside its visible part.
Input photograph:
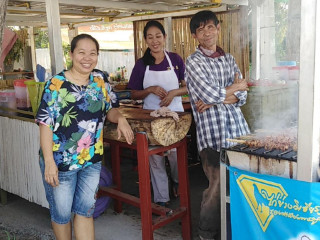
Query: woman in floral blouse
(71, 115)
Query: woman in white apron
(158, 79)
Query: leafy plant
(66, 49)
(41, 38)
(17, 50)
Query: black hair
(147, 58)
(76, 39)
(202, 18)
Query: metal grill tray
(289, 154)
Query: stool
(166, 215)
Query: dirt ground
(23, 220)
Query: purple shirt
(137, 75)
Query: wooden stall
(152, 136)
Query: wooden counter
(20, 143)
(160, 131)
(27, 116)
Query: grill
(262, 159)
(289, 154)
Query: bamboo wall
(233, 38)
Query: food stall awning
(72, 12)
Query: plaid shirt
(207, 79)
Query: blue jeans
(76, 192)
(210, 215)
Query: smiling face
(155, 39)
(207, 35)
(85, 56)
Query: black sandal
(175, 189)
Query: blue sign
(267, 207)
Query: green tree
(41, 38)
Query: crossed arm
(238, 85)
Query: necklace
(78, 81)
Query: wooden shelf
(15, 73)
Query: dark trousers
(210, 216)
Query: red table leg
(148, 224)
(116, 174)
(184, 189)
(144, 186)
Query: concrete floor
(29, 221)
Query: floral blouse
(76, 115)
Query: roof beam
(114, 5)
(23, 24)
(13, 18)
(16, 10)
(169, 14)
(236, 2)
(181, 1)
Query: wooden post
(33, 48)
(72, 32)
(3, 10)
(54, 32)
(309, 93)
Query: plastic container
(287, 63)
(123, 94)
(8, 99)
(21, 92)
(35, 90)
(294, 73)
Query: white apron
(165, 79)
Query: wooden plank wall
(233, 38)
